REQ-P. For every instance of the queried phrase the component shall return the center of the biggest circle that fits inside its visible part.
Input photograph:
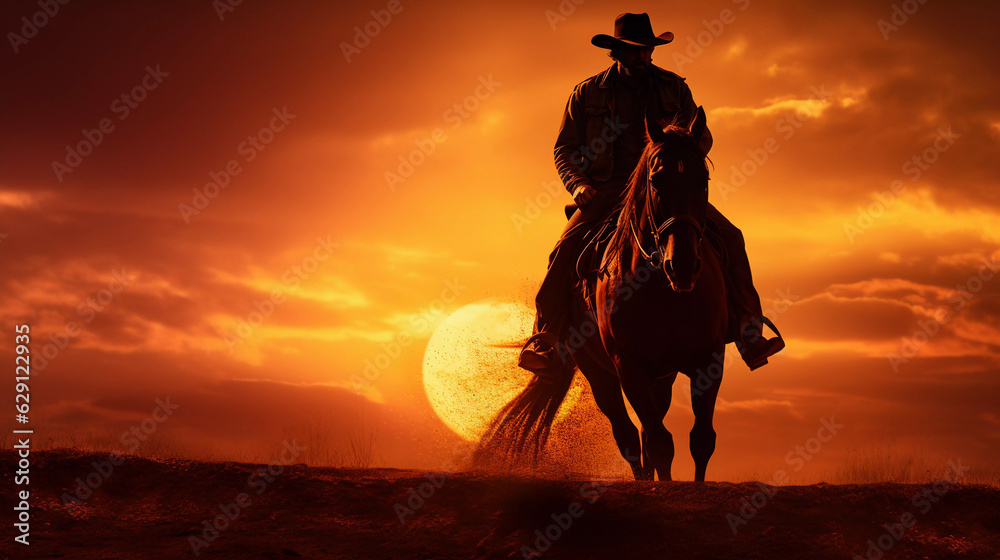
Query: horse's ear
(699, 124)
(654, 130)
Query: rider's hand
(583, 194)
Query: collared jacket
(583, 151)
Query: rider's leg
(745, 308)
(555, 295)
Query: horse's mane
(622, 256)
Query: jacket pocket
(596, 122)
(600, 135)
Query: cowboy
(600, 141)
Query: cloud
(805, 108)
(723, 405)
(19, 199)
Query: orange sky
(357, 258)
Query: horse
(659, 306)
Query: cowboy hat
(632, 30)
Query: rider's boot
(753, 346)
(541, 357)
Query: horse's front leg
(663, 390)
(638, 383)
(705, 383)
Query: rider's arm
(690, 110)
(572, 135)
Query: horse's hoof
(642, 474)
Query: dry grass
(355, 447)
(887, 464)
(881, 464)
(988, 473)
(326, 444)
(160, 444)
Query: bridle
(654, 257)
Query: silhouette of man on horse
(600, 142)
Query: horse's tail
(517, 434)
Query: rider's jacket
(584, 151)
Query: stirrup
(543, 336)
(764, 320)
(555, 366)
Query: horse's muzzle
(679, 281)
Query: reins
(654, 257)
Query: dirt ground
(151, 509)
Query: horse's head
(676, 199)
